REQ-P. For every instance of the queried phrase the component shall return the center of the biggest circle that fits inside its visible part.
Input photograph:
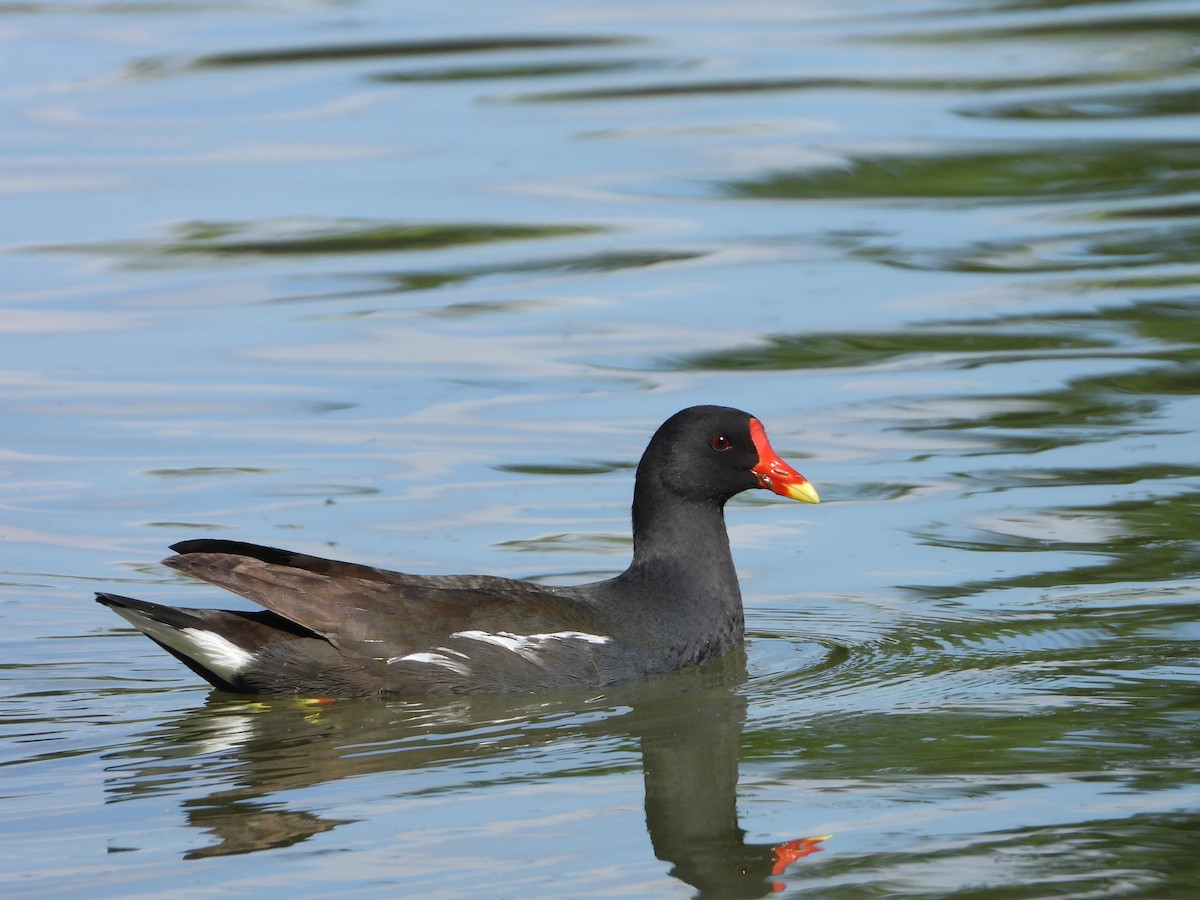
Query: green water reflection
(1133, 104)
(1045, 172)
(1144, 543)
(317, 53)
(251, 239)
(962, 347)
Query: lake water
(413, 285)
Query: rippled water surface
(413, 285)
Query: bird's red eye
(720, 443)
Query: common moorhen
(338, 629)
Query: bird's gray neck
(681, 553)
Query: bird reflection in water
(688, 727)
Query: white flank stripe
(529, 645)
(574, 636)
(436, 659)
(512, 642)
(209, 649)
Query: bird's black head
(707, 454)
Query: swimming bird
(340, 629)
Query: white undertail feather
(209, 649)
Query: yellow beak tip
(804, 491)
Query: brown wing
(376, 612)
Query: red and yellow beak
(776, 475)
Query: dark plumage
(334, 628)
